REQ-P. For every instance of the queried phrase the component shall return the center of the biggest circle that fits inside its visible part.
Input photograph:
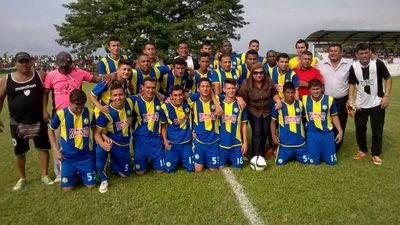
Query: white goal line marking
(248, 209)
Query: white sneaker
(57, 180)
(20, 184)
(103, 187)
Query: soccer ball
(258, 163)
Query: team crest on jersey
(27, 92)
(324, 107)
(197, 156)
(206, 116)
(150, 117)
(86, 121)
(187, 110)
(64, 180)
(314, 115)
(168, 164)
(213, 107)
(297, 110)
(128, 112)
(137, 167)
(231, 118)
(236, 110)
(311, 161)
(280, 161)
(235, 77)
(14, 142)
(158, 108)
(78, 132)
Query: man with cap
(62, 81)
(24, 89)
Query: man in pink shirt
(306, 72)
(62, 81)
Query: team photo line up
(193, 112)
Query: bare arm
(388, 89)
(45, 99)
(54, 145)
(97, 104)
(216, 88)
(102, 139)
(352, 88)
(244, 138)
(336, 123)
(3, 88)
(278, 103)
(275, 138)
(167, 144)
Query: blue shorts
(206, 154)
(179, 152)
(285, 153)
(234, 155)
(321, 145)
(71, 168)
(120, 160)
(149, 148)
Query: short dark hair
(113, 38)
(254, 41)
(115, 86)
(151, 79)
(282, 55)
(332, 45)
(230, 81)
(204, 54)
(289, 85)
(124, 62)
(206, 42)
(204, 79)
(362, 46)
(314, 83)
(224, 56)
(148, 43)
(251, 52)
(181, 42)
(301, 41)
(307, 53)
(78, 97)
(177, 88)
(271, 51)
(179, 61)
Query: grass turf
(353, 192)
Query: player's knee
(67, 189)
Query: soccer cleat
(20, 184)
(360, 155)
(47, 181)
(103, 187)
(376, 160)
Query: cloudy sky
(27, 25)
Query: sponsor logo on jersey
(315, 115)
(150, 117)
(122, 124)
(231, 118)
(178, 121)
(207, 116)
(78, 132)
(292, 119)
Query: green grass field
(353, 192)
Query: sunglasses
(258, 73)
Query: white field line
(248, 209)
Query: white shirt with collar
(336, 81)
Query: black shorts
(21, 146)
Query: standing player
(301, 46)
(75, 151)
(282, 74)
(245, 68)
(321, 115)
(206, 47)
(253, 45)
(109, 63)
(233, 129)
(205, 127)
(177, 131)
(150, 50)
(202, 72)
(148, 142)
(291, 141)
(178, 76)
(225, 71)
(270, 62)
(113, 135)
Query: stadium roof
(343, 36)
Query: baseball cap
(63, 59)
(22, 55)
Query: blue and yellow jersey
(103, 93)
(196, 79)
(219, 76)
(148, 117)
(231, 125)
(117, 123)
(280, 79)
(235, 62)
(169, 81)
(76, 138)
(242, 58)
(178, 119)
(137, 77)
(293, 62)
(213, 64)
(108, 65)
(269, 69)
(319, 113)
(244, 72)
(291, 131)
(205, 122)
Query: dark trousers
(342, 115)
(377, 116)
(260, 128)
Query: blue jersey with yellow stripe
(219, 76)
(235, 62)
(268, 69)
(291, 131)
(117, 123)
(196, 79)
(103, 93)
(148, 116)
(178, 119)
(231, 125)
(108, 65)
(242, 58)
(169, 80)
(319, 113)
(280, 79)
(76, 138)
(205, 122)
(137, 77)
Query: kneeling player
(76, 155)
(113, 136)
(321, 113)
(177, 131)
(291, 141)
(233, 129)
